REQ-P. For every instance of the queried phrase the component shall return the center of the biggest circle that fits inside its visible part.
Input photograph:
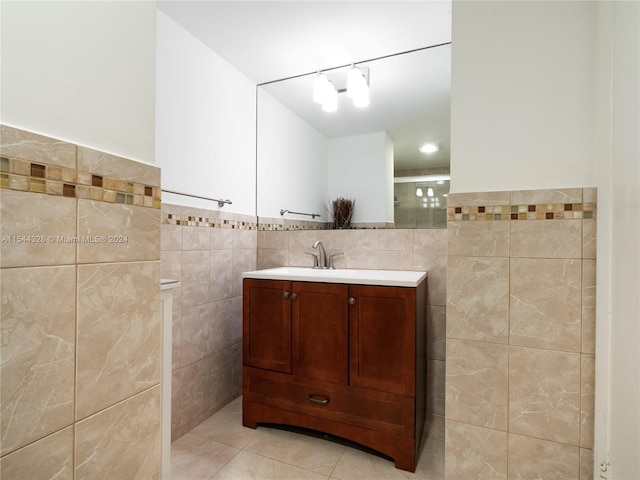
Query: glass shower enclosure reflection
(420, 203)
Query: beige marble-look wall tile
(430, 239)
(436, 382)
(222, 238)
(236, 321)
(395, 259)
(590, 195)
(478, 199)
(170, 237)
(119, 330)
(194, 331)
(392, 239)
(352, 240)
(474, 452)
(534, 458)
(196, 384)
(544, 394)
(278, 240)
(35, 228)
(545, 310)
(477, 383)
(367, 260)
(243, 239)
(586, 464)
(588, 306)
(107, 165)
(479, 239)
(242, 261)
(589, 242)
(272, 258)
(303, 258)
(121, 233)
(546, 239)
(436, 332)
(50, 457)
(195, 277)
(36, 148)
(587, 400)
(434, 428)
(533, 197)
(302, 240)
(223, 325)
(478, 298)
(196, 238)
(122, 441)
(226, 376)
(38, 353)
(221, 275)
(435, 264)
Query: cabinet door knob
(318, 399)
(352, 301)
(286, 294)
(294, 296)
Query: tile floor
(221, 448)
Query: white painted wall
(292, 163)
(622, 243)
(205, 123)
(83, 72)
(547, 95)
(522, 108)
(358, 169)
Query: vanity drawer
(380, 411)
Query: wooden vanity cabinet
(348, 360)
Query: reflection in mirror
(421, 201)
(307, 157)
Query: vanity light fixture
(419, 192)
(429, 148)
(357, 87)
(325, 93)
(354, 81)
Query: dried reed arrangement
(342, 211)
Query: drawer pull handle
(322, 400)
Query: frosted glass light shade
(330, 100)
(320, 85)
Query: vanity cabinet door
(266, 324)
(382, 338)
(320, 331)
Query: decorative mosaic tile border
(277, 227)
(195, 221)
(285, 227)
(546, 211)
(25, 176)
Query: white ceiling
(272, 40)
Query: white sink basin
(396, 278)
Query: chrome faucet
(322, 255)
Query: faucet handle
(331, 259)
(315, 259)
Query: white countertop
(392, 278)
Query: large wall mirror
(308, 157)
